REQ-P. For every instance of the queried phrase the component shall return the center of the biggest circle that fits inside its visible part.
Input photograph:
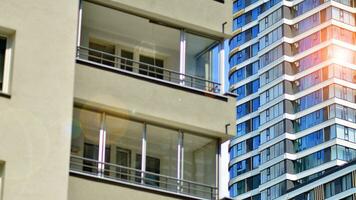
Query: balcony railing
(159, 73)
(122, 174)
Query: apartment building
(113, 99)
(292, 66)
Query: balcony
(119, 173)
(149, 113)
(114, 62)
(112, 148)
(131, 44)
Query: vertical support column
(79, 27)
(183, 46)
(180, 153)
(222, 68)
(102, 144)
(143, 155)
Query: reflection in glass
(202, 60)
(162, 152)
(124, 138)
(85, 138)
(199, 159)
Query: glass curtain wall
(127, 147)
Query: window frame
(5, 89)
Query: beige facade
(35, 121)
(44, 82)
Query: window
(255, 104)
(127, 63)
(256, 161)
(154, 67)
(2, 60)
(243, 110)
(255, 123)
(255, 142)
(153, 165)
(5, 61)
(243, 128)
(121, 146)
(102, 52)
(199, 159)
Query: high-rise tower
(292, 66)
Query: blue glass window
(310, 100)
(255, 31)
(237, 188)
(256, 161)
(241, 92)
(255, 67)
(242, 128)
(242, 110)
(255, 104)
(239, 22)
(255, 142)
(255, 85)
(238, 168)
(237, 76)
(255, 48)
(240, 57)
(238, 5)
(310, 120)
(255, 13)
(309, 141)
(238, 150)
(255, 123)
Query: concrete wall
(35, 123)
(207, 16)
(96, 190)
(153, 102)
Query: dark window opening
(2, 60)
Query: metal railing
(152, 71)
(121, 173)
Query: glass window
(255, 67)
(255, 142)
(243, 110)
(243, 128)
(199, 159)
(309, 141)
(2, 60)
(85, 139)
(241, 92)
(124, 138)
(202, 59)
(255, 104)
(255, 31)
(255, 123)
(255, 85)
(237, 188)
(162, 146)
(154, 67)
(255, 48)
(256, 161)
(127, 63)
(102, 46)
